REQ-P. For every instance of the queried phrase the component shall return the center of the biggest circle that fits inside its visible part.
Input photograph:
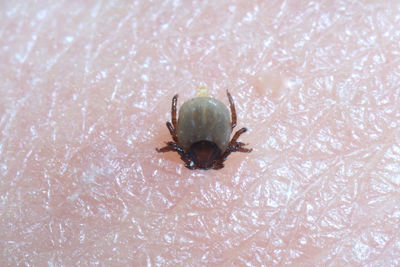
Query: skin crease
(85, 93)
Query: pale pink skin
(86, 90)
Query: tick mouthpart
(204, 154)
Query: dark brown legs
(171, 146)
(233, 110)
(172, 128)
(234, 145)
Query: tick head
(204, 154)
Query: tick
(202, 132)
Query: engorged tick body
(201, 134)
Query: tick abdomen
(204, 118)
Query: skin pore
(85, 93)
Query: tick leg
(173, 111)
(218, 165)
(172, 127)
(240, 148)
(171, 146)
(237, 134)
(172, 132)
(164, 149)
(237, 146)
(233, 110)
(233, 146)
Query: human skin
(86, 89)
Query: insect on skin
(202, 132)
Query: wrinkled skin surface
(85, 93)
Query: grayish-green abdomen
(204, 118)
